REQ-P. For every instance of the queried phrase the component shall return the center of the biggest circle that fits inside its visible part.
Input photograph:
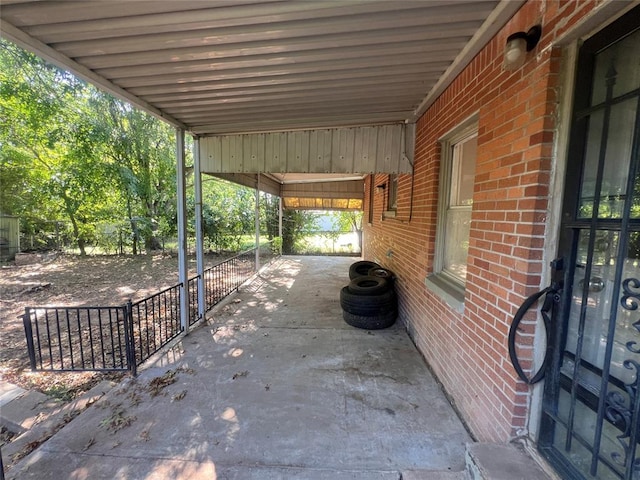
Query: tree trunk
(76, 233)
(134, 228)
(288, 235)
(74, 222)
(152, 243)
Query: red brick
(517, 121)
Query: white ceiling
(239, 66)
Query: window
(458, 212)
(391, 198)
(393, 192)
(457, 174)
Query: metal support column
(280, 222)
(258, 223)
(182, 231)
(197, 184)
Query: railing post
(130, 345)
(28, 331)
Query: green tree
(228, 213)
(46, 156)
(295, 225)
(270, 213)
(349, 221)
(141, 151)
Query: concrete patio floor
(276, 386)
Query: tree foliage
(51, 171)
(95, 169)
(228, 213)
(140, 153)
(296, 224)
(71, 155)
(349, 221)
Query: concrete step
(27, 409)
(9, 392)
(36, 418)
(488, 461)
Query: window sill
(451, 292)
(389, 214)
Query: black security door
(591, 412)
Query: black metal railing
(155, 322)
(78, 338)
(224, 278)
(194, 315)
(119, 338)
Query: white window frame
(444, 283)
(393, 192)
(391, 196)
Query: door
(591, 411)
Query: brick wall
(517, 111)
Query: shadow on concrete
(275, 386)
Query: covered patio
(275, 385)
(362, 105)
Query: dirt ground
(67, 280)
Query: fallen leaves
(26, 450)
(240, 374)
(117, 420)
(158, 384)
(179, 396)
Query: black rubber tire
(368, 285)
(368, 305)
(382, 273)
(371, 323)
(360, 269)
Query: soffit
(306, 191)
(239, 66)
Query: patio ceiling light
(518, 44)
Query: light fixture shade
(515, 51)
(518, 44)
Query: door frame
(570, 44)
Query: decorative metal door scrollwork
(590, 422)
(622, 411)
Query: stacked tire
(369, 301)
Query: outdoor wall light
(380, 188)
(518, 44)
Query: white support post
(280, 222)
(258, 224)
(182, 231)
(197, 184)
